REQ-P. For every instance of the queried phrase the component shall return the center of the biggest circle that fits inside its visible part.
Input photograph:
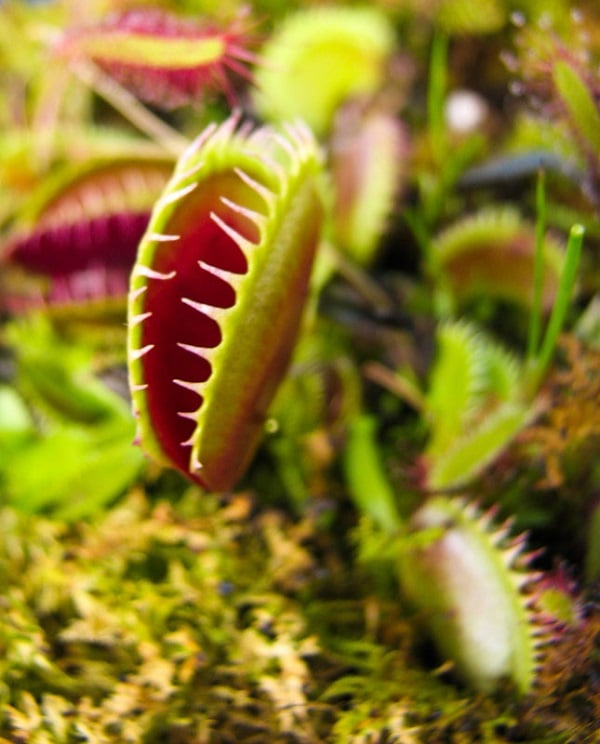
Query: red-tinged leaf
(164, 59)
(79, 241)
(217, 296)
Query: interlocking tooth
(195, 464)
(200, 351)
(216, 313)
(139, 353)
(193, 386)
(182, 176)
(304, 139)
(286, 146)
(197, 144)
(173, 196)
(299, 133)
(191, 415)
(201, 307)
(267, 195)
(246, 127)
(162, 238)
(135, 294)
(140, 318)
(227, 276)
(255, 217)
(201, 388)
(228, 127)
(148, 273)
(520, 581)
(139, 388)
(242, 243)
(511, 554)
(276, 167)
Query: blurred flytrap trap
(300, 372)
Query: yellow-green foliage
(577, 97)
(475, 405)
(319, 58)
(471, 17)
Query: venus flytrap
(340, 60)
(368, 151)
(473, 420)
(164, 59)
(217, 295)
(467, 580)
(462, 575)
(470, 583)
(332, 54)
(493, 396)
(491, 254)
(72, 247)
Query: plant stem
(535, 322)
(563, 296)
(436, 95)
(129, 106)
(561, 305)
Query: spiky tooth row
(473, 587)
(491, 253)
(245, 206)
(148, 273)
(75, 239)
(266, 194)
(163, 58)
(234, 279)
(230, 277)
(242, 243)
(161, 238)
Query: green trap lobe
(179, 322)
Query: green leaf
(74, 471)
(14, 416)
(455, 384)
(466, 585)
(502, 373)
(579, 102)
(476, 449)
(366, 477)
(331, 54)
